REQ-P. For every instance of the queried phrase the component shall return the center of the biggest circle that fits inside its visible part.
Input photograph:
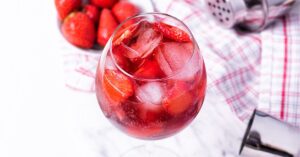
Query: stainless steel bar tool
(267, 136)
(250, 15)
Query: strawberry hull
(157, 85)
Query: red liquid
(158, 85)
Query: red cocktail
(151, 78)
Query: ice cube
(190, 68)
(120, 59)
(141, 42)
(147, 40)
(163, 63)
(129, 52)
(150, 93)
(172, 56)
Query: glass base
(149, 151)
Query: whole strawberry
(104, 3)
(92, 11)
(106, 26)
(64, 7)
(124, 9)
(79, 30)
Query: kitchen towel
(254, 70)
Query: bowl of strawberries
(89, 24)
(84, 27)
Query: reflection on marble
(216, 132)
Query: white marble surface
(40, 117)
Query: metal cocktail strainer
(252, 15)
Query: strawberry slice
(178, 99)
(120, 37)
(128, 30)
(92, 11)
(106, 27)
(149, 70)
(172, 32)
(124, 34)
(118, 87)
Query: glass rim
(152, 79)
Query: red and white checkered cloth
(258, 70)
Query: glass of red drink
(151, 78)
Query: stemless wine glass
(151, 78)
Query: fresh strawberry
(79, 30)
(149, 70)
(104, 3)
(106, 27)
(64, 7)
(172, 32)
(92, 11)
(117, 86)
(178, 99)
(124, 9)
